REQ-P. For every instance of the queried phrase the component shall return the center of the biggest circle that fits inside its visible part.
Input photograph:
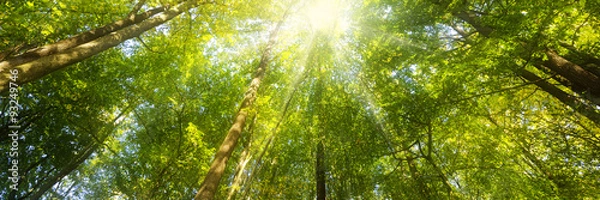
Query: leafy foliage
(410, 99)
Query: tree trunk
(320, 167)
(37, 192)
(64, 172)
(74, 41)
(570, 71)
(258, 162)
(565, 98)
(239, 175)
(472, 19)
(588, 61)
(47, 64)
(436, 167)
(320, 171)
(210, 184)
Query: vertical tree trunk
(320, 167)
(211, 181)
(45, 65)
(320, 171)
(258, 162)
(239, 174)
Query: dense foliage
(374, 99)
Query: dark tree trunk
(582, 81)
(572, 72)
(472, 19)
(561, 95)
(320, 171)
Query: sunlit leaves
(410, 102)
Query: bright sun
(326, 15)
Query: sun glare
(326, 15)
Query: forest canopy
(300, 99)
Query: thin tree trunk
(211, 181)
(320, 167)
(239, 176)
(437, 168)
(257, 167)
(73, 165)
(45, 65)
(320, 171)
(137, 7)
(64, 172)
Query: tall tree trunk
(239, 176)
(45, 65)
(320, 170)
(320, 167)
(74, 41)
(211, 181)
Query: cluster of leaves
(411, 102)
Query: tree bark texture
(74, 41)
(211, 181)
(572, 72)
(245, 157)
(45, 65)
